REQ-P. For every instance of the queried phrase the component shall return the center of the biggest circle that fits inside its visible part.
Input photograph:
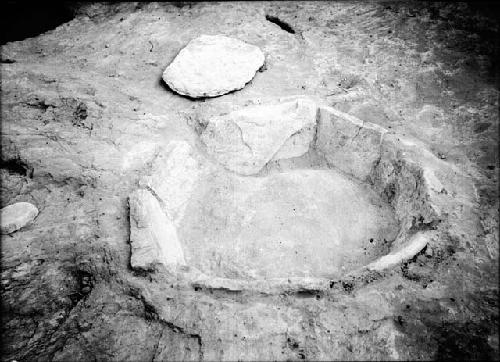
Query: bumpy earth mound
(406, 111)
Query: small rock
(212, 65)
(15, 216)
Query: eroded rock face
(245, 140)
(14, 217)
(153, 236)
(212, 65)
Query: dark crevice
(84, 285)
(17, 166)
(282, 24)
(309, 293)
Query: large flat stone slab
(14, 217)
(212, 65)
(246, 139)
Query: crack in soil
(282, 24)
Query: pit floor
(298, 223)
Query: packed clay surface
(185, 215)
(298, 223)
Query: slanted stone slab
(297, 144)
(408, 250)
(348, 143)
(153, 236)
(16, 216)
(174, 173)
(212, 65)
(245, 140)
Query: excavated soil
(85, 113)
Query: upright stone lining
(158, 207)
(395, 167)
(174, 173)
(409, 176)
(402, 178)
(398, 168)
(153, 236)
(245, 140)
(348, 143)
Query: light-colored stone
(212, 65)
(14, 217)
(173, 177)
(245, 140)
(403, 252)
(153, 236)
(348, 143)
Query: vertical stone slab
(153, 236)
(401, 177)
(174, 174)
(243, 141)
(348, 143)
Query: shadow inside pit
(20, 20)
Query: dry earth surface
(85, 111)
